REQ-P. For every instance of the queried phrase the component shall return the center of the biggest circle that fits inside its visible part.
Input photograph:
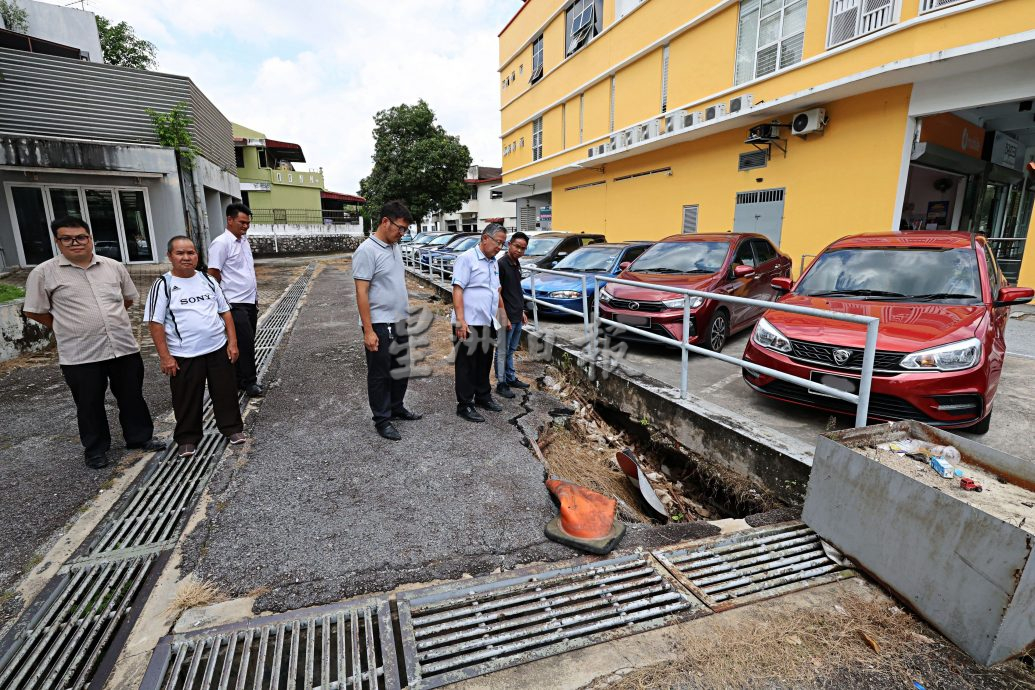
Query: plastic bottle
(946, 453)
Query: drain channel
(752, 565)
(467, 628)
(63, 635)
(326, 648)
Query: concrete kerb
(775, 461)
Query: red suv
(943, 305)
(736, 264)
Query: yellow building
(805, 120)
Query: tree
(417, 161)
(120, 46)
(14, 16)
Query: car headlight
(767, 336)
(695, 302)
(606, 296)
(951, 357)
(566, 294)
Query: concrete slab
(322, 508)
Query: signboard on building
(545, 215)
(1007, 152)
(953, 133)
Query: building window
(664, 79)
(474, 192)
(537, 138)
(262, 158)
(537, 60)
(584, 20)
(690, 219)
(564, 126)
(611, 115)
(582, 113)
(770, 36)
(851, 18)
(280, 177)
(239, 156)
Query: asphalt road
(723, 385)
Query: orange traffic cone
(587, 519)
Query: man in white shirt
(230, 263)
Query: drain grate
(61, 645)
(755, 564)
(465, 629)
(61, 639)
(328, 648)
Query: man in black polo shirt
(514, 304)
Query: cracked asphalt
(321, 508)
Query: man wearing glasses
(383, 304)
(84, 298)
(476, 300)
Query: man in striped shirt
(84, 298)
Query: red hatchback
(736, 264)
(943, 305)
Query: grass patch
(193, 593)
(10, 292)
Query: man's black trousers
(385, 391)
(89, 383)
(188, 395)
(246, 316)
(473, 364)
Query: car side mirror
(624, 265)
(742, 271)
(781, 284)
(1013, 295)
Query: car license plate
(842, 383)
(632, 320)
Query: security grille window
(850, 19)
(611, 121)
(690, 219)
(564, 126)
(239, 156)
(537, 138)
(584, 20)
(932, 5)
(752, 159)
(770, 36)
(664, 80)
(582, 112)
(537, 60)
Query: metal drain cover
(326, 648)
(725, 572)
(473, 627)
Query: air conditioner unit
(763, 133)
(675, 121)
(614, 143)
(740, 103)
(715, 111)
(646, 131)
(809, 121)
(591, 151)
(625, 137)
(697, 118)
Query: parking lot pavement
(722, 384)
(320, 507)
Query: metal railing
(1008, 253)
(592, 326)
(302, 216)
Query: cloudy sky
(316, 71)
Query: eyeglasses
(518, 247)
(69, 240)
(404, 228)
(498, 243)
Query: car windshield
(424, 239)
(441, 239)
(589, 259)
(915, 274)
(465, 243)
(541, 246)
(682, 257)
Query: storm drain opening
(469, 628)
(748, 566)
(64, 641)
(327, 648)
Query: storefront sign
(954, 133)
(1007, 152)
(545, 214)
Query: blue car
(446, 257)
(594, 259)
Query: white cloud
(316, 72)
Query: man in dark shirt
(514, 304)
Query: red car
(737, 264)
(943, 305)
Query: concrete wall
(18, 334)
(266, 244)
(67, 25)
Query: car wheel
(981, 427)
(718, 331)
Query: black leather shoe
(407, 415)
(254, 391)
(489, 404)
(503, 389)
(96, 462)
(388, 431)
(517, 384)
(148, 446)
(469, 413)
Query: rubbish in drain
(631, 466)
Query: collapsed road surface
(323, 508)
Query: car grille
(640, 306)
(817, 353)
(883, 406)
